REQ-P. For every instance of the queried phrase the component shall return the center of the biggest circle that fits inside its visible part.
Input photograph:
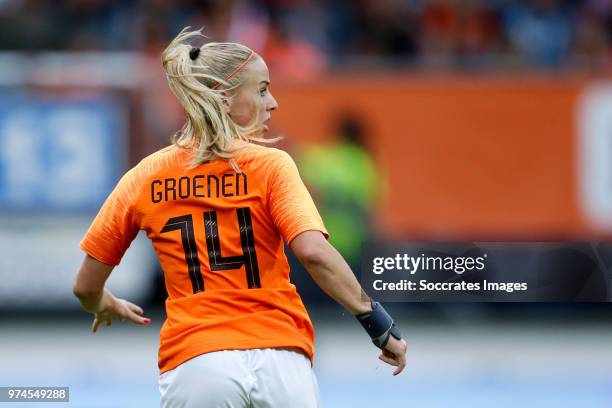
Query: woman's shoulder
(264, 160)
(252, 151)
(173, 157)
(160, 161)
(168, 156)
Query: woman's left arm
(89, 289)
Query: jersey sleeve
(290, 203)
(115, 226)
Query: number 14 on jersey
(217, 262)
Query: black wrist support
(379, 325)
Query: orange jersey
(219, 236)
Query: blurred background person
(344, 180)
(539, 31)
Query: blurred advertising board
(466, 157)
(594, 127)
(59, 155)
(59, 159)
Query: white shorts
(258, 378)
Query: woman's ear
(226, 101)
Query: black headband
(193, 54)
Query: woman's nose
(272, 105)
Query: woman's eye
(262, 92)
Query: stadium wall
(469, 157)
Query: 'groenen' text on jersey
(200, 186)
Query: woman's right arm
(296, 217)
(331, 272)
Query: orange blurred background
(465, 157)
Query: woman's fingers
(398, 361)
(124, 311)
(388, 360)
(135, 314)
(401, 365)
(134, 308)
(133, 317)
(98, 320)
(395, 354)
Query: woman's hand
(115, 308)
(394, 354)
(94, 298)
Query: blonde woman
(217, 209)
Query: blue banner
(59, 155)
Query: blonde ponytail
(209, 128)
